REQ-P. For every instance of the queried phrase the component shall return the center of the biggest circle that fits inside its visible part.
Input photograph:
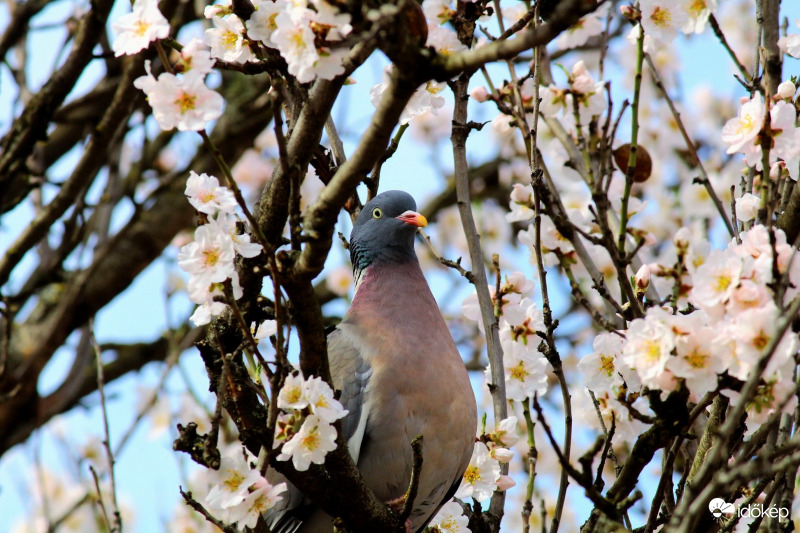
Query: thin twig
(116, 527)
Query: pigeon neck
(383, 273)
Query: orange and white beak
(413, 218)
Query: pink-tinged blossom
(136, 30)
(196, 59)
(209, 258)
(227, 40)
(309, 445)
(586, 27)
(740, 132)
(335, 23)
(481, 477)
(517, 282)
(754, 330)
(206, 195)
(698, 361)
(716, 279)
(294, 39)
(444, 41)
(184, 103)
(425, 99)
(662, 19)
(438, 11)
(479, 94)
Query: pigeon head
(384, 230)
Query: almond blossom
(309, 445)
(227, 40)
(740, 132)
(209, 258)
(425, 99)
(662, 19)
(184, 103)
(136, 30)
(263, 498)
(698, 12)
(206, 195)
(525, 370)
(481, 477)
(586, 27)
(230, 483)
(450, 519)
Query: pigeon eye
(377, 212)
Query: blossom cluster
(734, 325)
(661, 20)
(483, 476)
(238, 493)
(305, 428)
(183, 101)
(742, 133)
(209, 258)
(305, 33)
(520, 319)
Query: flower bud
(630, 13)
(502, 455)
(642, 279)
(521, 194)
(505, 483)
(786, 90)
(479, 94)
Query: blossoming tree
(623, 251)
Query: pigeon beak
(413, 218)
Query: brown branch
(32, 125)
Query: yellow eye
(377, 212)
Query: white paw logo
(720, 507)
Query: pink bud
(643, 278)
(479, 93)
(505, 483)
(630, 13)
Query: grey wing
(350, 372)
(350, 375)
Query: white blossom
(480, 478)
(136, 30)
(309, 445)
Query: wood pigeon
(400, 374)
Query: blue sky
(141, 312)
